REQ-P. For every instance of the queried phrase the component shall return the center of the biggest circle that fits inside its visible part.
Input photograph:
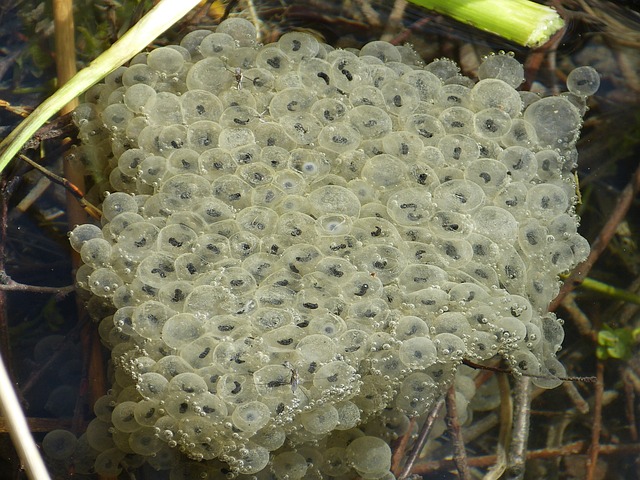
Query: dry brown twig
(459, 450)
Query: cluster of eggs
(301, 240)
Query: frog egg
(217, 44)
(497, 224)
(366, 95)
(59, 444)
(339, 138)
(123, 417)
(492, 123)
(555, 120)
(503, 67)
(149, 318)
(417, 391)
(371, 122)
(457, 120)
(235, 137)
(418, 353)
(443, 68)
(494, 93)
(290, 101)
(184, 191)
(202, 135)
(152, 170)
(181, 329)
(96, 252)
(333, 199)
(140, 73)
(459, 149)
(427, 84)
(275, 61)
(550, 370)
(166, 110)
(84, 113)
(145, 442)
(116, 117)
(334, 224)
(198, 105)
(369, 456)
(428, 128)
(252, 458)
(116, 203)
(450, 347)
(210, 74)
(251, 416)
(381, 50)
(316, 74)
(417, 277)
(409, 327)
(289, 466)
(99, 435)
(400, 98)
(302, 128)
(83, 233)
(108, 463)
(402, 145)
(104, 282)
(347, 70)
(525, 362)
(165, 60)
(553, 333)
(583, 81)
(137, 240)
(410, 206)
(192, 40)
(337, 376)
(334, 462)
(321, 420)
(482, 345)
(450, 225)
(453, 96)
(512, 197)
(458, 195)
(240, 29)
(547, 200)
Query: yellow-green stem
(522, 21)
(153, 24)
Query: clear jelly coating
(301, 244)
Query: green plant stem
(153, 24)
(522, 21)
(610, 291)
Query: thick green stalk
(526, 23)
(153, 24)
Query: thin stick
(400, 451)
(19, 430)
(630, 402)
(471, 364)
(506, 421)
(92, 210)
(571, 449)
(460, 452)
(594, 449)
(520, 436)
(422, 438)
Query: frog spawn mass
(302, 242)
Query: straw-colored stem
(154, 23)
(19, 430)
(522, 21)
